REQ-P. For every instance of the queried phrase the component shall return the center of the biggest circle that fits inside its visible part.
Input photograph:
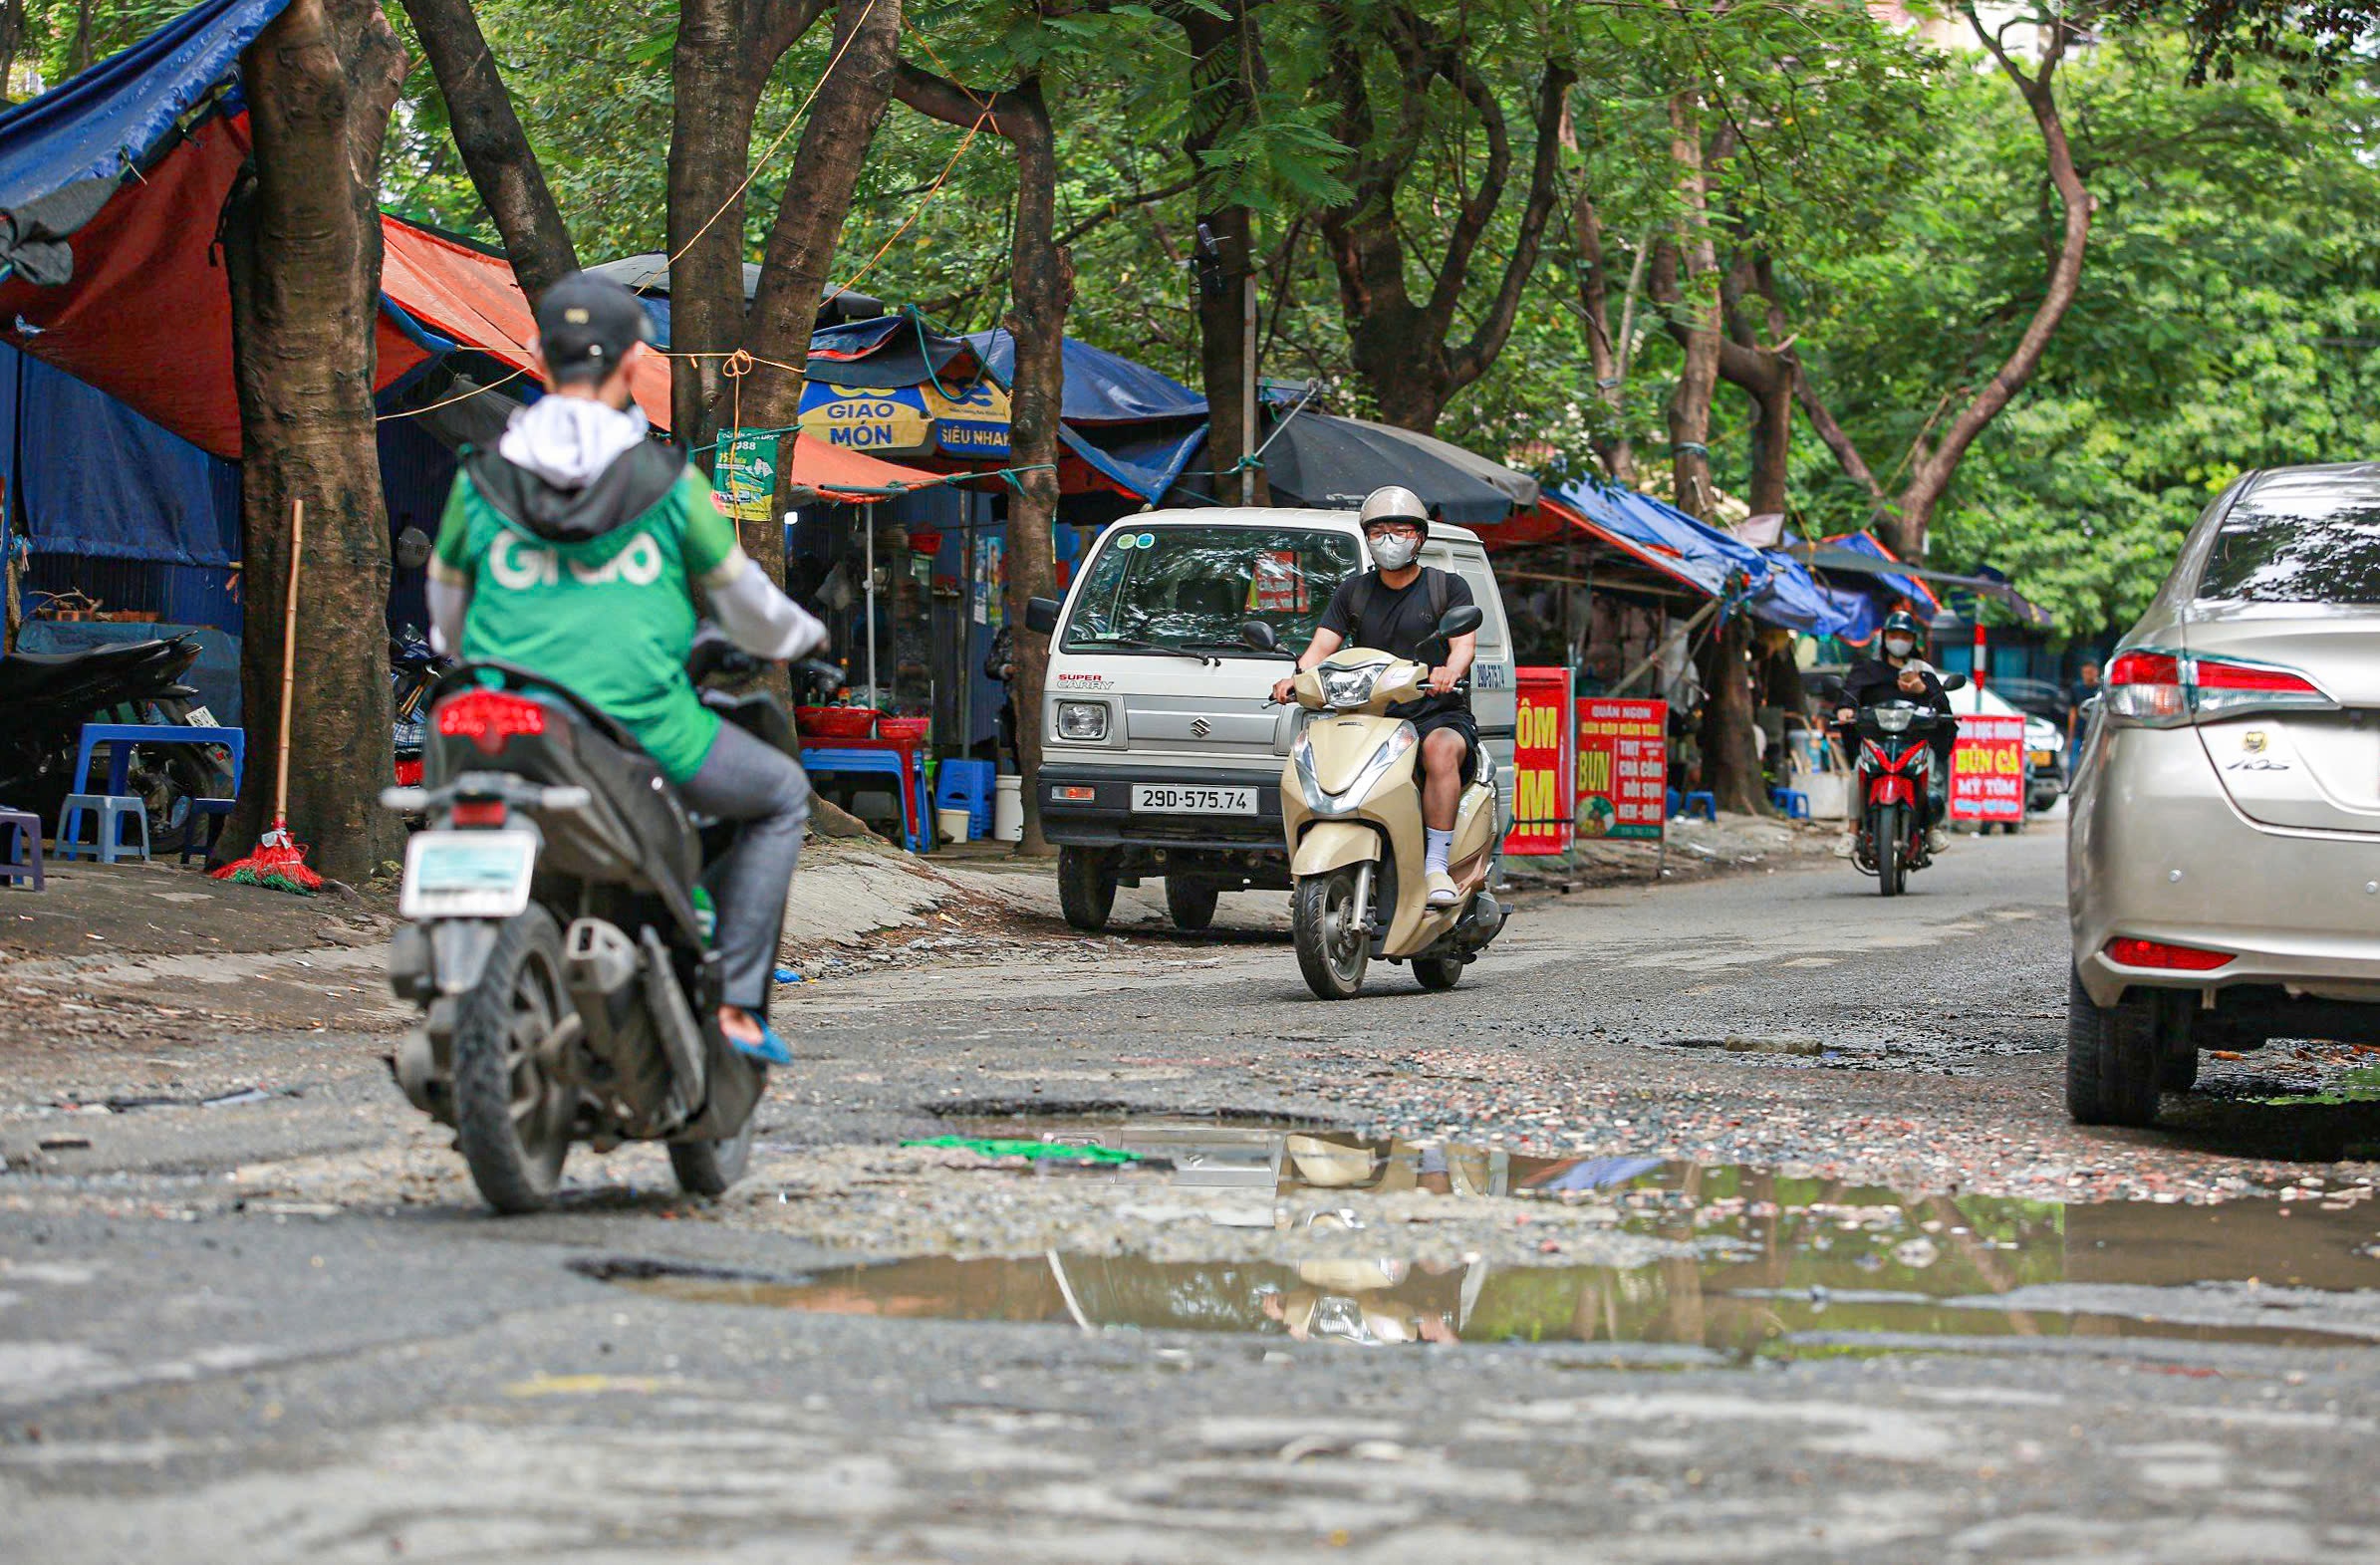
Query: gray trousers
(746, 780)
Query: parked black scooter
(559, 943)
(48, 696)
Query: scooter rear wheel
(512, 1118)
(1332, 952)
(710, 1168)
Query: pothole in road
(1767, 1264)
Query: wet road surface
(1730, 1221)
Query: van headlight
(1086, 720)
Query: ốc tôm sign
(1541, 800)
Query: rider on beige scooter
(1396, 609)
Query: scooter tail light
(490, 719)
(2128, 951)
(478, 812)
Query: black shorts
(1461, 721)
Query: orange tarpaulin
(472, 297)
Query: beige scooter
(1351, 804)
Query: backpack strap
(1438, 594)
(1359, 599)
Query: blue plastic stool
(113, 811)
(1670, 810)
(24, 848)
(967, 783)
(1796, 805)
(1702, 803)
(908, 782)
(217, 811)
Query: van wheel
(1086, 887)
(1190, 902)
(2113, 1060)
(1331, 951)
(1437, 972)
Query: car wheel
(2113, 1060)
(1086, 887)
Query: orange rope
(916, 212)
(451, 401)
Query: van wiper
(1240, 647)
(1138, 644)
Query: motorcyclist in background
(1898, 674)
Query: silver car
(2223, 863)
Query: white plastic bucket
(952, 824)
(1008, 808)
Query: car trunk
(2317, 771)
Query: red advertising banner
(1541, 818)
(1623, 767)
(1987, 769)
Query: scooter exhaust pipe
(599, 967)
(1479, 924)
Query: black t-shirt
(1396, 621)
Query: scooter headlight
(1895, 719)
(1343, 688)
(1322, 802)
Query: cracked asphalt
(1879, 1301)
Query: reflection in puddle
(1780, 1265)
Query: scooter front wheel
(1332, 948)
(1892, 849)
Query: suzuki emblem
(1200, 727)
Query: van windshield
(1193, 587)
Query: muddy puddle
(1766, 1264)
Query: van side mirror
(1461, 621)
(1259, 635)
(1953, 682)
(1041, 616)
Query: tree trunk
(303, 252)
(801, 244)
(716, 91)
(1041, 288)
(12, 38)
(1221, 101)
(503, 168)
(1698, 378)
(78, 52)
(1731, 763)
(1929, 474)
(1612, 445)
(1772, 437)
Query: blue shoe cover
(770, 1050)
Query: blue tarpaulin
(1100, 388)
(105, 121)
(1908, 587)
(85, 475)
(1709, 557)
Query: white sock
(1434, 859)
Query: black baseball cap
(585, 327)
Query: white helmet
(1394, 503)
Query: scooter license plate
(467, 875)
(1191, 799)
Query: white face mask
(1899, 646)
(1393, 551)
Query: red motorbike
(1896, 771)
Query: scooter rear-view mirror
(1953, 682)
(1259, 635)
(1461, 621)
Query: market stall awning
(1516, 487)
(1868, 545)
(1100, 387)
(1317, 460)
(1552, 520)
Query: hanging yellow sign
(882, 422)
(972, 421)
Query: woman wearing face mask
(1395, 608)
(1901, 674)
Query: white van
(1161, 755)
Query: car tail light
(478, 812)
(490, 719)
(2224, 687)
(2147, 687)
(2129, 952)
(2166, 689)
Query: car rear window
(2298, 545)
